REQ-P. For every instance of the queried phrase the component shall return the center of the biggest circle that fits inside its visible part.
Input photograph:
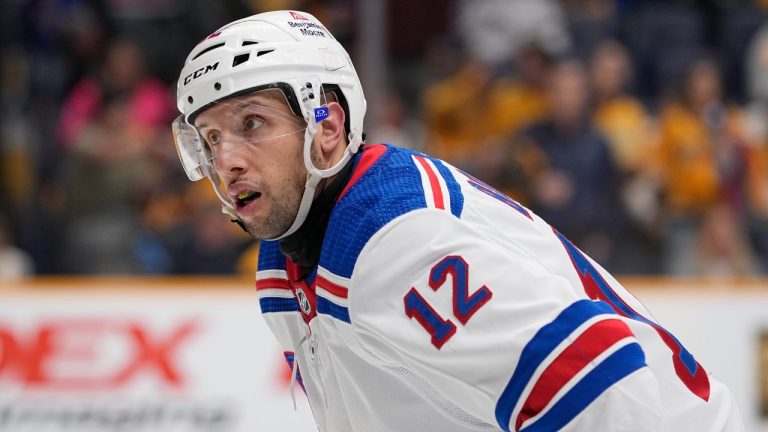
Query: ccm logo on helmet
(200, 72)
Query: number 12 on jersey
(464, 304)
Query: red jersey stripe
(273, 283)
(335, 289)
(588, 346)
(437, 192)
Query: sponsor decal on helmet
(308, 28)
(321, 114)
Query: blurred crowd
(637, 128)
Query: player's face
(256, 147)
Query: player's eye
(251, 123)
(213, 137)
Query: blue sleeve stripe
(614, 368)
(539, 347)
(278, 304)
(454, 189)
(327, 307)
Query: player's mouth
(244, 198)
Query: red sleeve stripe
(434, 183)
(371, 154)
(272, 283)
(337, 290)
(586, 348)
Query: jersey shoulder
(386, 182)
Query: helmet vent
(261, 53)
(210, 48)
(246, 43)
(240, 59)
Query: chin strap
(315, 175)
(303, 246)
(304, 206)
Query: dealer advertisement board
(141, 356)
(194, 355)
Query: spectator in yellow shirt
(618, 115)
(701, 163)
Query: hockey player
(408, 295)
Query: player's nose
(229, 155)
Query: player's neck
(303, 247)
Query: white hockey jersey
(440, 304)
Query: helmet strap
(304, 246)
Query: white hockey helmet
(288, 50)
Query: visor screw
(189, 99)
(217, 86)
(309, 85)
(311, 96)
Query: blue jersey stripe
(539, 347)
(614, 368)
(327, 307)
(278, 304)
(457, 198)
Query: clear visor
(254, 119)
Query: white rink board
(721, 328)
(136, 355)
(136, 361)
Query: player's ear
(330, 131)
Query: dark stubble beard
(285, 205)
